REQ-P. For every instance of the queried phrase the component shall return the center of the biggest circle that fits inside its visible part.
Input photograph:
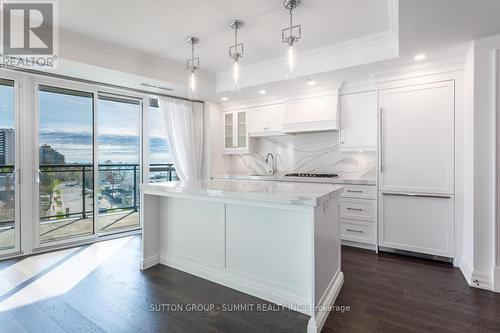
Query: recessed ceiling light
(311, 82)
(420, 57)
(262, 92)
(224, 98)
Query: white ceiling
(431, 25)
(160, 27)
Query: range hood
(310, 115)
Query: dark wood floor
(385, 293)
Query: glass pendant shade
(291, 63)
(193, 84)
(236, 74)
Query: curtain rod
(109, 85)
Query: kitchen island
(273, 240)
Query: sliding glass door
(65, 163)
(9, 192)
(119, 124)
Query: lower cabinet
(358, 216)
(358, 231)
(417, 223)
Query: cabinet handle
(356, 209)
(354, 191)
(416, 195)
(354, 230)
(380, 142)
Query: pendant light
(291, 36)
(235, 54)
(193, 64)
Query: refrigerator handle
(380, 142)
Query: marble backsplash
(314, 153)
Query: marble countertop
(281, 178)
(304, 194)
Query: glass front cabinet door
(236, 132)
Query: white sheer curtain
(183, 124)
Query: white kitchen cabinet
(417, 138)
(236, 132)
(417, 223)
(358, 121)
(266, 120)
(317, 114)
(358, 232)
(358, 214)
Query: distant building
(50, 156)
(7, 146)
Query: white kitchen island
(273, 240)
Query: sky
(6, 107)
(66, 125)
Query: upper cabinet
(266, 120)
(311, 115)
(236, 132)
(358, 121)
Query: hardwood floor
(99, 288)
(392, 293)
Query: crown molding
(70, 39)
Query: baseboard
(476, 279)
(371, 247)
(150, 262)
(496, 279)
(236, 282)
(466, 271)
(482, 280)
(316, 324)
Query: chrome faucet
(273, 165)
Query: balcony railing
(118, 188)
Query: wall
(496, 273)
(481, 134)
(484, 157)
(468, 166)
(214, 162)
(318, 153)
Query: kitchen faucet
(273, 165)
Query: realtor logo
(29, 33)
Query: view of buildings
(50, 156)
(6, 146)
(7, 193)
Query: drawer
(358, 231)
(359, 191)
(358, 209)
